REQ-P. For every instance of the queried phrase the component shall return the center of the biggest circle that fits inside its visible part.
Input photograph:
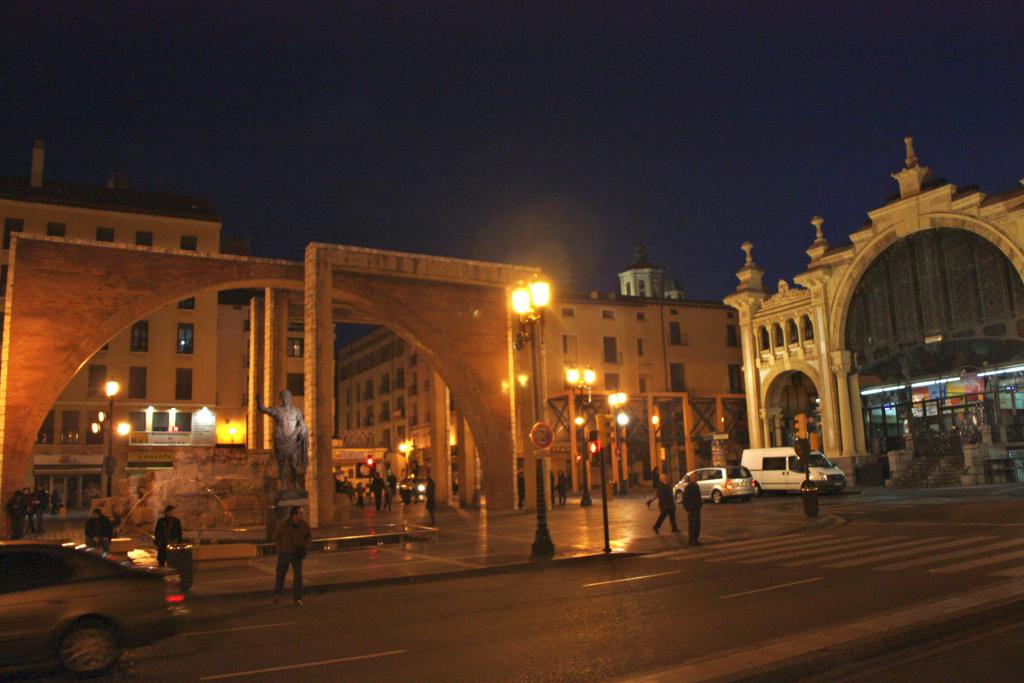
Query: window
(11, 226)
(137, 420)
(641, 287)
(568, 312)
(298, 326)
(414, 386)
(385, 383)
(413, 359)
(296, 382)
(400, 378)
(385, 411)
(400, 407)
(368, 390)
(794, 464)
(45, 434)
(629, 289)
(791, 332)
(640, 315)
(675, 336)
(368, 422)
(386, 439)
(611, 381)
(735, 379)
(295, 346)
(570, 345)
(97, 378)
(161, 422)
(611, 350)
(31, 570)
(137, 382)
(775, 464)
(56, 229)
(69, 427)
(607, 314)
(808, 328)
(182, 421)
(401, 433)
(188, 304)
(186, 340)
(765, 342)
(640, 346)
(414, 414)
(140, 336)
(673, 311)
(183, 384)
(642, 383)
(3, 280)
(104, 234)
(732, 337)
(677, 373)
(189, 242)
(143, 238)
(92, 417)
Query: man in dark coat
(392, 483)
(99, 531)
(521, 489)
(377, 489)
(42, 499)
(692, 503)
(292, 538)
(17, 508)
(166, 531)
(563, 487)
(431, 496)
(666, 504)
(30, 509)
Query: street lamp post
(111, 390)
(583, 382)
(617, 402)
(529, 302)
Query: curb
(318, 589)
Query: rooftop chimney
(38, 152)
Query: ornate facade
(929, 287)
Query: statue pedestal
(281, 509)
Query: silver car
(78, 607)
(718, 483)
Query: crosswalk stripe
(792, 547)
(854, 552)
(755, 542)
(949, 556)
(767, 544)
(913, 551)
(962, 566)
(817, 550)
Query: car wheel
(88, 648)
(716, 497)
(679, 497)
(757, 489)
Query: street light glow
(540, 293)
(123, 428)
(589, 376)
(579, 420)
(521, 301)
(622, 419)
(112, 387)
(572, 375)
(655, 420)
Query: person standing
(99, 531)
(360, 490)
(377, 489)
(392, 483)
(387, 497)
(292, 538)
(166, 531)
(42, 505)
(431, 497)
(692, 503)
(17, 508)
(521, 489)
(563, 487)
(30, 509)
(666, 504)
(56, 502)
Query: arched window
(808, 328)
(792, 336)
(629, 289)
(765, 343)
(780, 341)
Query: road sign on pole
(541, 435)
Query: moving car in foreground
(79, 607)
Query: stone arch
(867, 254)
(769, 383)
(787, 392)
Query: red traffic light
(369, 461)
(594, 447)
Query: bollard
(179, 558)
(809, 494)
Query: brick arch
(66, 298)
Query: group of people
(384, 489)
(559, 488)
(692, 503)
(27, 507)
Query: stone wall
(211, 488)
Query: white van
(778, 469)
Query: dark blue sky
(551, 136)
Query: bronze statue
(291, 441)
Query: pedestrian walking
(98, 531)
(521, 489)
(56, 502)
(692, 503)
(563, 487)
(666, 504)
(377, 489)
(30, 510)
(17, 509)
(360, 491)
(655, 480)
(387, 497)
(166, 531)
(292, 538)
(41, 507)
(431, 497)
(551, 481)
(392, 483)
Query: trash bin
(809, 494)
(179, 558)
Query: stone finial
(1021, 181)
(783, 286)
(911, 160)
(817, 222)
(748, 249)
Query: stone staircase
(932, 471)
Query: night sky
(551, 136)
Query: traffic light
(606, 428)
(800, 426)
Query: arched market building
(901, 354)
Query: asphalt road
(607, 619)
